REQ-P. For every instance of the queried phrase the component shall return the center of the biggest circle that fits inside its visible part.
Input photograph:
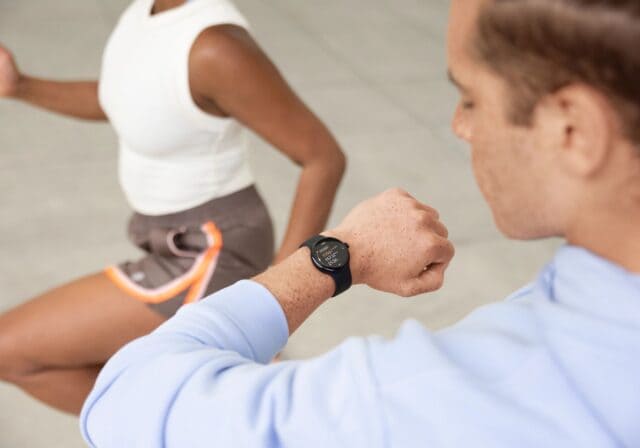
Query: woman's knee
(14, 364)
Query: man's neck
(613, 233)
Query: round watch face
(332, 254)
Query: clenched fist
(9, 74)
(398, 244)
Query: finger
(440, 229)
(429, 280)
(434, 225)
(432, 211)
(432, 279)
(438, 250)
(425, 208)
(398, 192)
(429, 218)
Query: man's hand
(397, 244)
(9, 74)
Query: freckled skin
(557, 177)
(570, 173)
(392, 239)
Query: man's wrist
(298, 286)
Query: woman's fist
(9, 74)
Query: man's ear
(584, 125)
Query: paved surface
(373, 69)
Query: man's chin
(521, 231)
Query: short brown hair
(540, 46)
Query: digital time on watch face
(332, 254)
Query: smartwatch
(331, 256)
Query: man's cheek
(480, 171)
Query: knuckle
(405, 290)
(396, 191)
(401, 191)
(451, 249)
(426, 216)
(433, 212)
(430, 241)
(421, 217)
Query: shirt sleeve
(202, 378)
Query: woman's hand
(9, 74)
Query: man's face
(513, 165)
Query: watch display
(331, 253)
(331, 256)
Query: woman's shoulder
(223, 51)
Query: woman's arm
(230, 75)
(77, 99)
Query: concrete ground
(373, 69)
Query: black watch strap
(311, 242)
(341, 277)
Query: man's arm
(397, 245)
(201, 377)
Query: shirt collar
(579, 279)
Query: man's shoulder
(526, 291)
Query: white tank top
(173, 156)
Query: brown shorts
(193, 253)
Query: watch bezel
(318, 262)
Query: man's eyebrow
(455, 82)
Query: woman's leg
(53, 347)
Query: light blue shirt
(556, 365)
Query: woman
(179, 79)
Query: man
(551, 108)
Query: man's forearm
(207, 343)
(298, 286)
(396, 245)
(165, 389)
